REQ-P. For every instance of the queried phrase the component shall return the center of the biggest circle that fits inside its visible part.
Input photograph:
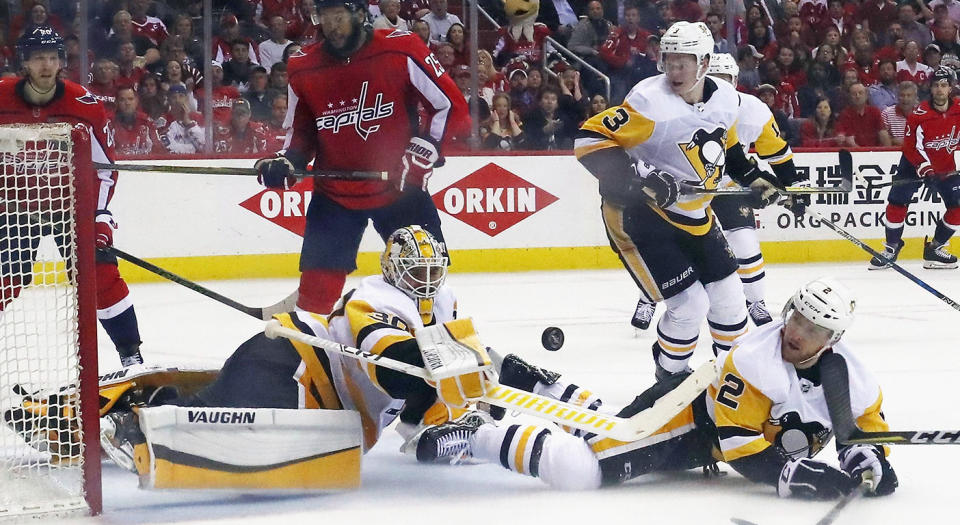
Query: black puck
(552, 338)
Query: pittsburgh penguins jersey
(757, 127)
(375, 317)
(760, 400)
(657, 129)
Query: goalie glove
(104, 228)
(275, 172)
(417, 163)
(855, 460)
(807, 478)
(49, 423)
(457, 361)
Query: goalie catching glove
(457, 361)
(858, 459)
(417, 163)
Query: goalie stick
(920, 282)
(263, 313)
(836, 390)
(629, 429)
(211, 170)
(845, 186)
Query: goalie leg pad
(233, 448)
(457, 361)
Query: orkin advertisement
(485, 203)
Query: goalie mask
(825, 303)
(414, 262)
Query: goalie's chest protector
(389, 306)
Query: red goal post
(49, 437)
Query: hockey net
(49, 454)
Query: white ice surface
(907, 336)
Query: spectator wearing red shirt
(909, 69)
(893, 43)
(820, 131)
(37, 15)
(129, 74)
(230, 33)
(688, 10)
(240, 135)
(134, 132)
(103, 84)
(456, 37)
(876, 15)
(814, 14)
(895, 117)
(623, 47)
(271, 8)
(785, 94)
(223, 96)
(860, 122)
(791, 71)
(149, 27)
(273, 128)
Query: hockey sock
(122, 328)
(570, 393)
(746, 247)
(320, 289)
(895, 216)
(515, 447)
(679, 327)
(947, 226)
(727, 316)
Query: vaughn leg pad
(237, 448)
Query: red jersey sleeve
(101, 144)
(910, 150)
(446, 110)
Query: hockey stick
(843, 233)
(264, 313)
(629, 429)
(866, 485)
(835, 379)
(210, 170)
(845, 186)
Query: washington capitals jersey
(932, 137)
(359, 114)
(657, 129)
(72, 104)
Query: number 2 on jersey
(732, 387)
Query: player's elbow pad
(613, 169)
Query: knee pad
(320, 289)
(726, 299)
(113, 296)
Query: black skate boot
(890, 252)
(936, 256)
(449, 441)
(758, 312)
(130, 355)
(643, 315)
(661, 373)
(520, 374)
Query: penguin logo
(706, 154)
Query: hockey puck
(552, 338)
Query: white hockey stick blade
(287, 304)
(633, 428)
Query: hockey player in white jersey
(765, 416)
(675, 132)
(755, 127)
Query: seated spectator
(236, 71)
(223, 95)
(884, 94)
(909, 69)
(534, 81)
(273, 128)
(622, 52)
(597, 105)
(301, 27)
(831, 39)
(770, 96)
(547, 127)
(103, 84)
(193, 44)
(913, 30)
(128, 72)
(149, 27)
(892, 43)
(278, 79)
(590, 33)
(461, 76)
(445, 55)
(818, 86)
(761, 37)
(36, 15)
(174, 73)
(257, 96)
(840, 95)
(134, 132)
(271, 50)
(572, 102)
(784, 94)
(122, 31)
(876, 15)
(489, 76)
(931, 56)
(860, 122)
(820, 131)
(522, 100)
(505, 128)
(153, 100)
(688, 10)
(950, 9)
(184, 128)
(439, 20)
(241, 135)
(715, 21)
(229, 34)
(791, 70)
(413, 10)
(456, 37)
(422, 29)
(749, 78)
(895, 117)
(390, 17)
(843, 21)
(814, 14)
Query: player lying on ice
(765, 416)
(248, 428)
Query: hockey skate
(130, 356)
(520, 374)
(119, 432)
(662, 374)
(890, 252)
(450, 441)
(758, 312)
(643, 315)
(936, 256)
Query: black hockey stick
(843, 233)
(835, 379)
(866, 485)
(845, 186)
(265, 313)
(211, 170)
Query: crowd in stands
(834, 72)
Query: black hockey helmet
(943, 73)
(39, 38)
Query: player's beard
(360, 35)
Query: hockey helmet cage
(825, 303)
(689, 39)
(39, 38)
(414, 262)
(723, 64)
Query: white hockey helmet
(687, 38)
(825, 303)
(723, 64)
(414, 262)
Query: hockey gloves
(857, 459)
(275, 172)
(662, 187)
(765, 190)
(807, 478)
(417, 162)
(104, 228)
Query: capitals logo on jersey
(706, 154)
(342, 113)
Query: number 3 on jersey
(732, 388)
(620, 118)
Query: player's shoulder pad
(758, 361)
(864, 388)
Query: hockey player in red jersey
(928, 145)
(41, 98)
(353, 101)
